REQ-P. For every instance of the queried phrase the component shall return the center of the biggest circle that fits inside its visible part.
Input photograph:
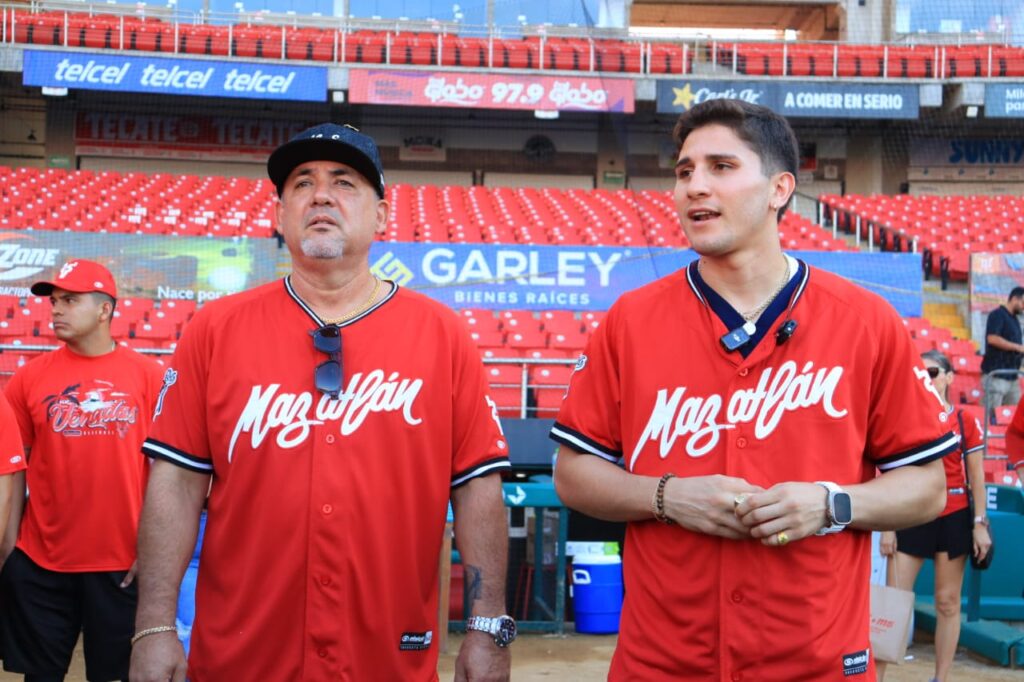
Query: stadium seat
(667, 58)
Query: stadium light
(546, 114)
(971, 111)
(55, 92)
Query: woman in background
(949, 538)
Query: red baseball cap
(80, 276)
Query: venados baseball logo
(81, 409)
(291, 412)
(777, 392)
(18, 262)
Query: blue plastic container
(597, 593)
(187, 593)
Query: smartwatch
(838, 508)
(502, 628)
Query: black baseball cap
(328, 142)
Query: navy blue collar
(732, 319)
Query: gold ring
(782, 538)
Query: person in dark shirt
(1003, 351)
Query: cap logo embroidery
(67, 269)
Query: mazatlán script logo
(294, 414)
(78, 410)
(698, 418)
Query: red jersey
(325, 516)
(12, 451)
(845, 393)
(84, 420)
(954, 462)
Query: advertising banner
(966, 152)
(173, 268)
(211, 138)
(486, 276)
(592, 277)
(490, 91)
(796, 99)
(1004, 100)
(158, 75)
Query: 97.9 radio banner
(490, 91)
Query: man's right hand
(706, 504)
(158, 658)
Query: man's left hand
(481, 660)
(794, 510)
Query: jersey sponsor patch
(855, 663)
(170, 376)
(16, 459)
(581, 362)
(415, 641)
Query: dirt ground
(566, 658)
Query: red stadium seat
(669, 58)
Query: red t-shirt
(656, 391)
(954, 463)
(12, 451)
(325, 516)
(84, 420)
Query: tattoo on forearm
(474, 584)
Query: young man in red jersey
(749, 400)
(84, 411)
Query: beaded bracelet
(658, 504)
(152, 631)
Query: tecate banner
(203, 78)
(825, 100)
(489, 91)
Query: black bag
(987, 561)
(976, 564)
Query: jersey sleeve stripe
(482, 469)
(975, 449)
(577, 441)
(158, 450)
(923, 454)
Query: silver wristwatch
(501, 628)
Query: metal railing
(732, 58)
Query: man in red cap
(83, 411)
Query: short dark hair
(101, 298)
(767, 133)
(1015, 292)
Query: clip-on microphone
(738, 337)
(785, 331)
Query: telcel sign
(205, 78)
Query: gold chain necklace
(752, 315)
(360, 309)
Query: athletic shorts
(44, 611)
(952, 533)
